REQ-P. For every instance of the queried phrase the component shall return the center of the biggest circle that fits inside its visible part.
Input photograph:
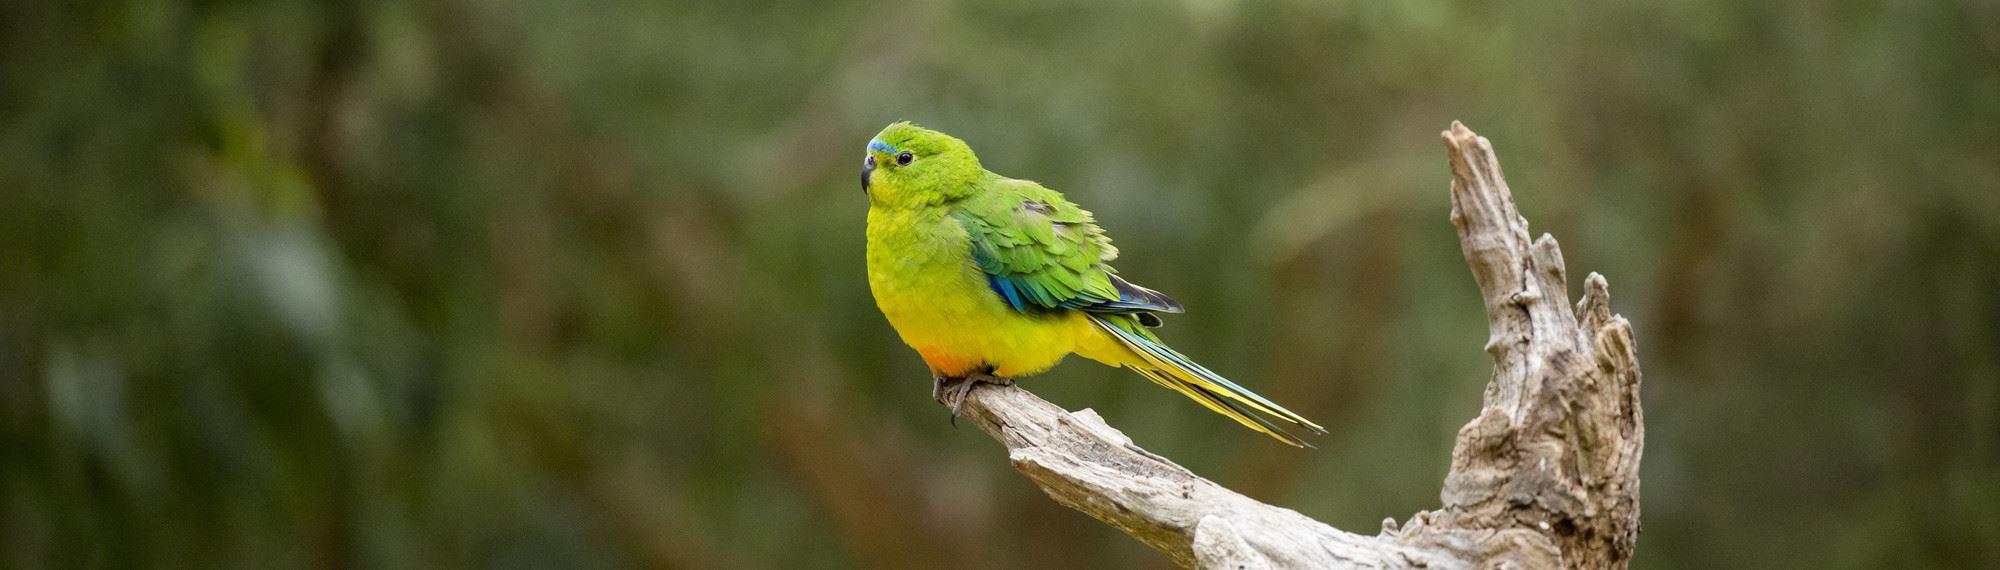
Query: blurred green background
(579, 284)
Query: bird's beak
(867, 169)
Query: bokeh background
(579, 284)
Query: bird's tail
(1169, 368)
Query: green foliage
(391, 283)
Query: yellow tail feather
(1175, 372)
(1208, 400)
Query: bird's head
(907, 165)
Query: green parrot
(991, 278)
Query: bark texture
(1546, 476)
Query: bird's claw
(952, 391)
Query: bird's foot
(941, 387)
(951, 391)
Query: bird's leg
(987, 377)
(951, 391)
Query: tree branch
(1545, 476)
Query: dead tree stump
(1546, 476)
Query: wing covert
(1041, 252)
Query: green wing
(1040, 253)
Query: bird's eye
(904, 159)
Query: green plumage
(982, 273)
(1041, 250)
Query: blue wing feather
(1024, 297)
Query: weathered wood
(1546, 476)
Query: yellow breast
(921, 271)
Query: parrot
(992, 278)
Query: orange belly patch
(942, 362)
